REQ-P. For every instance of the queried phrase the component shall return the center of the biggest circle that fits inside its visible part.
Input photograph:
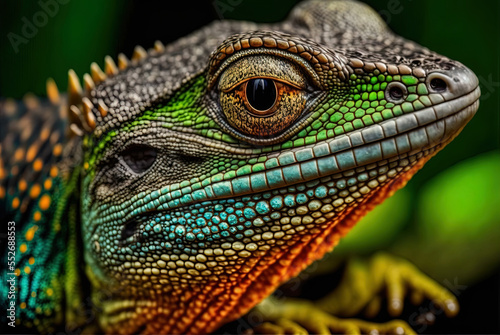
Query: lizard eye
(262, 96)
(139, 157)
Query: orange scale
(38, 164)
(44, 202)
(15, 203)
(35, 191)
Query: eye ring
(267, 122)
(396, 92)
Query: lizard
(195, 178)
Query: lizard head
(231, 159)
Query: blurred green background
(81, 32)
(446, 220)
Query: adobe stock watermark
(488, 86)
(425, 315)
(394, 7)
(30, 28)
(223, 6)
(11, 276)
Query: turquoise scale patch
(286, 158)
(368, 153)
(403, 143)
(321, 192)
(186, 190)
(199, 195)
(292, 174)
(389, 148)
(186, 199)
(304, 155)
(346, 160)
(309, 169)
(276, 202)
(249, 213)
(222, 189)
(327, 165)
(241, 184)
(275, 178)
(290, 200)
(271, 163)
(258, 182)
(262, 207)
(232, 219)
(209, 191)
(301, 199)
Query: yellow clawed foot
(365, 285)
(293, 316)
(366, 282)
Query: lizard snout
(452, 83)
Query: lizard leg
(280, 326)
(295, 316)
(365, 282)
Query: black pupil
(139, 157)
(261, 93)
(438, 84)
(396, 93)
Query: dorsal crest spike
(75, 116)
(139, 53)
(110, 66)
(122, 61)
(74, 89)
(159, 47)
(53, 92)
(76, 130)
(97, 73)
(75, 112)
(103, 109)
(87, 104)
(88, 114)
(88, 82)
(31, 101)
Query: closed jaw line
(405, 134)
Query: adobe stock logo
(49, 8)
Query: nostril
(438, 85)
(450, 84)
(396, 93)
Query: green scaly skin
(179, 209)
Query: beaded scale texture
(177, 206)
